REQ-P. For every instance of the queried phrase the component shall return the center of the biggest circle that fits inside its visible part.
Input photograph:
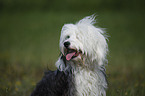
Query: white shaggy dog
(85, 49)
(81, 66)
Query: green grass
(29, 44)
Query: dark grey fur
(55, 83)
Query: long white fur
(88, 68)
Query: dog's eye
(67, 37)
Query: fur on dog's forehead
(68, 30)
(82, 32)
(84, 28)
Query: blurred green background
(29, 41)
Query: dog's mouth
(71, 53)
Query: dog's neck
(84, 80)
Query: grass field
(29, 46)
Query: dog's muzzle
(70, 53)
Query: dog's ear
(96, 46)
(101, 48)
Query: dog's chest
(86, 83)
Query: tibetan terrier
(81, 65)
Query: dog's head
(83, 40)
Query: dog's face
(83, 40)
(70, 44)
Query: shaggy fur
(81, 66)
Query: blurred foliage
(29, 41)
(73, 5)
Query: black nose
(66, 44)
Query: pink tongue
(69, 56)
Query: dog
(81, 65)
